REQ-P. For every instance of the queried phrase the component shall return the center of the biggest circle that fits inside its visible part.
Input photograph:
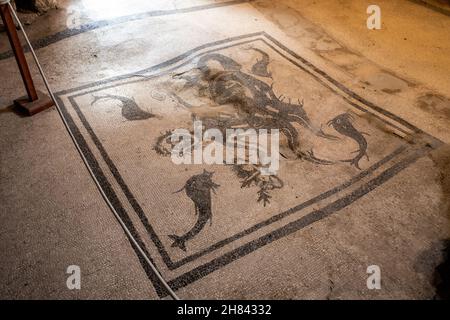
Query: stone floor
(53, 216)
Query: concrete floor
(52, 215)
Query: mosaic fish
(198, 188)
(343, 124)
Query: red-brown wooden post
(35, 101)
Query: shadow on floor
(14, 109)
(442, 275)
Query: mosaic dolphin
(343, 124)
(130, 109)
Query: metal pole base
(42, 103)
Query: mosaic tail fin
(178, 242)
